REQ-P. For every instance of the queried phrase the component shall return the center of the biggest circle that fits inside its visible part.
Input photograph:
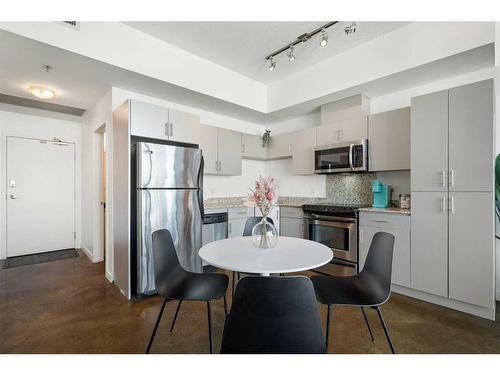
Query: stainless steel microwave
(341, 157)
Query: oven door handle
(351, 148)
(333, 224)
(329, 219)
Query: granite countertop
(388, 210)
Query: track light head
(271, 64)
(291, 53)
(350, 29)
(323, 39)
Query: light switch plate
(12, 183)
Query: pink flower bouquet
(263, 195)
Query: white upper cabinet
(389, 140)
(153, 121)
(148, 120)
(343, 130)
(221, 150)
(429, 142)
(251, 147)
(208, 145)
(280, 146)
(229, 152)
(184, 127)
(354, 129)
(471, 137)
(303, 143)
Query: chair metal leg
(234, 280)
(175, 316)
(386, 331)
(367, 324)
(156, 326)
(225, 305)
(239, 276)
(328, 327)
(209, 326)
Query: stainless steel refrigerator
(169, 187)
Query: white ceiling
(243, 46)
(80, 81)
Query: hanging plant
(266, 138)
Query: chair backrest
(165, 260)
(274, 315)
(251, 221)
(378, 264)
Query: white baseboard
(482, 312)
(86, 252)
(109, 277)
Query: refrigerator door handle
(200, 187)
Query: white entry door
(40, 196)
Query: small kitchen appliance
(381, 194)
(404, 201)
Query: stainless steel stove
(335, 226)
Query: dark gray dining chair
(370, 288)
(247, 231)
(175, 283)
(273, 315)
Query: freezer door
(179, 211)
(167, 167)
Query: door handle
(13, 196)
(351, 147)
(443, 204)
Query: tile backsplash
(352, 188)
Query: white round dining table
(289, 255)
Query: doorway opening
(101, 190)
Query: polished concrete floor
(67, 306)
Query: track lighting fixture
(323, 39)
(350, 29)
(271, 64)
(291, 53)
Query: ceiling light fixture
(350, 29)
(272, 64)
(42, 92)
(323, 39)
(291, 54)
(290, 47)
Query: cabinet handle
(220, 165)
(289, 148)
(443, 178)
(230, 228)
(443, 204)
(166, 129)
(171, 129)
(380, 221)
(243, 148)
(452, 205)
(452, 178)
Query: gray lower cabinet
(429, 142)
(429, 242)
(399, 227)
(291, 222)
(471, 243)
(237, 218)
(389, 140)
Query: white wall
(33, 123)
(92, 120)
(402, 98)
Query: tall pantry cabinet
(452, 225)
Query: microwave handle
(351, 148)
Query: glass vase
(264, 234)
